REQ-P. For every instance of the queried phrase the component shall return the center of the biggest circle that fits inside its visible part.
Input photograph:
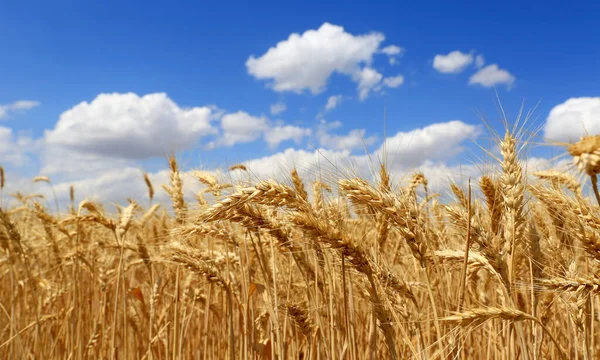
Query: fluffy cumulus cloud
(492, 75)
(278, 134)
(240, 127)
(453, 62)
(306, 61)
(131, 126)
(278, 108)
(318, 164)
(15, 148)
(425, 149)
(66, 164)
(18, 106)
(572, 119)
(355, 139)
(438, 141)
(367, 79)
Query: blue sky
(427, 64)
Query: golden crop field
(349, 268)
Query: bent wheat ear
(299, 185)
(239, 167)
(361, 193)
(41, 179)
(149, 186)
(558, 177)
(586, 154)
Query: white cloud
(392, 50)
(394, 81)
(14, 149)
(479, 61)
(131, 126)
(452, 63)
(24, 104)
(278, 134)
(333, 102)
(492, 75)
(367, 79)
(278, 108)
(17, 106)
(438, 141)
(423, 149)
(321, 163)
(573, 118)
(68, 165)
(306, 61)
(240, 127)
(355, 139)
(426, 148)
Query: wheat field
(351, 268)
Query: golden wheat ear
(586, 155)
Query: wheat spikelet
(513, 191)
(182, 256)
(560, 178)
(318, 202)
(411, 191)
(301, 319)
(493, 200)
(334, 238)
(476, 317)
(382, 225)
(205, 178)
(125, 220)
(571, 284)
(361, 193)
(460, 195)
(400, 287)
(586, 154)
(299, 185)
(475, 261)
(175, 191)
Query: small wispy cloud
(17, 106)
(278, 108)
(333, 102)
